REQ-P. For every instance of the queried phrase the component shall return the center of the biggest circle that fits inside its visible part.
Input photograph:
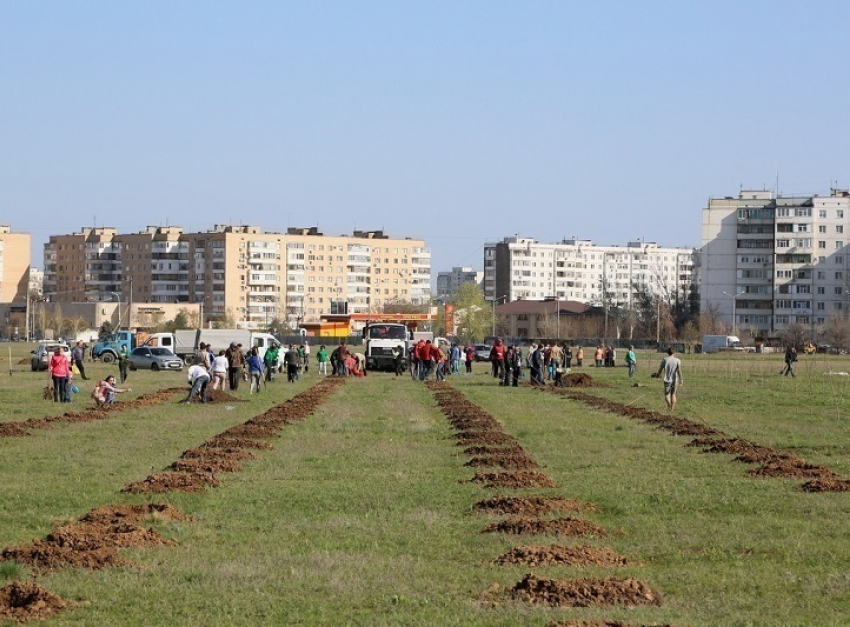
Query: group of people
(426, 357)
(544, 362)
(63, 366)
(605, 357)
(344, 362)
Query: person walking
(536, 362)
(671, 366)
(790, 360)
(256, 369)
(291, 359)
(322, 359)
(123, 363)
(270, 360)
(631, 361)
(219, 370)
(78, 354)
(398, 360)
(235, 363)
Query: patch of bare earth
(519, 479)
(168, 481)
(250, 431)
(210, 466)
(113, 514)
(466, 438)
(559, 526)
(220, 396)
(584, 592)
(530, 505)
(554, 555)
(826, 485)
(24, 601)
(592, 623)
(521, 462)
(793, 469)
(226, 442)
(229, 453)
(494, 450)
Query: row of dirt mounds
(197, 468)
(772, 463)
(91, 414)
(24, 601)
(556, 555)
(480, 433)
(94, 540)
(530, 505)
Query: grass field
(362, 512)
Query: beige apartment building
(240, 272)
(14, 265)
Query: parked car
(154, 358)
(482, 352)
(41, 355)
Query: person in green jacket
(322, 358)
(270, 360)
(123, 362)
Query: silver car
(41, 356)
(154, 358)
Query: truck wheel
(107, 358)
(189, 360)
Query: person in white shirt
(219, 370)
(198, 377)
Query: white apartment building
(449, 282)
(579, 270)
(769, 261)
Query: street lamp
(734, 299)
(494, 301)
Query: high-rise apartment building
(769, 261)
(241, 272)
(14, 265)
(579, 270)
(449, 282)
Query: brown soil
(476, 424)
(230, 453)
(591, 623)
(559, 526)
(115, 514)
(746, 451)
(792, 468)
(225, 442)
(12, 430)
(220, 396)
(250, 431)
(585, 592)
(494, 450)
(826, 485)
(554, 555)
(521, 462)
(483, 437)
(89, 536)
(211, 466)
(580, 380)
(25, 601)
(519, 479)
(168, 481)
(45, 555)
(529, 506)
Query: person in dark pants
(78, 354)
(398, 360)
(790, 360)
(292, 361)
(123, 363)
(236, 362)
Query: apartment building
(14, 265)
(579, 270)
(449, 282)
(769, 261)
(241, 272)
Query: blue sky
(457, 122)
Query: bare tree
(795, 335)
(836, 331)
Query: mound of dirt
(206, 465)
(44, 555)
(25, 601)
(476, 424)
(88, 536)
(521, 462)
(494, 450)
(793, 468)
(225, 442)
(529, 506)
(229, 453)
(250, 431)
(114, 514)
(585, 592)
(592, 623)
(559, 526)
(554, 555)
(465, 438)
(168, 481)
(12, 430)
(220, 396)
(826, 485)
(580, 380)
(519, 479)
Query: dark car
(154, 358)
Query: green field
(362, 513)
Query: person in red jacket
(497, 357)
(59, 370)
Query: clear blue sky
(457, 122)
